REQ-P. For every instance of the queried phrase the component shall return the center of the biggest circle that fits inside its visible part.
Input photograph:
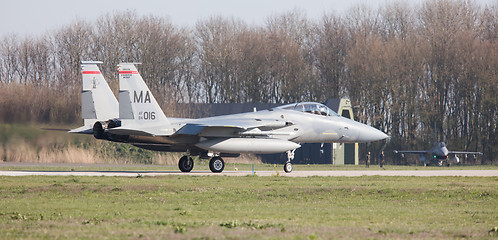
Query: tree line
(405, 68)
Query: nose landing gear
(290, 157)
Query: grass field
(216, 207)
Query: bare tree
(407, 67)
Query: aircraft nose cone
(370, 134)
(360, 132)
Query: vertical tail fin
(137, 104)
(98, 103)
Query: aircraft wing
(459, 152)
(196, 127)
(412, 152)
(242, 123)
(243, 126)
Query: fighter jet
(439, 152)
(142, 123)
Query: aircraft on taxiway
(439, 153)
(141, 122)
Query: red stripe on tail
(128, 72)
(90, 72)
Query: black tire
(288, 167)
(186, 164)
(216, 164)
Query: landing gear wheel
(216, 164)
(288, 167)
(186, 164)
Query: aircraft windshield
(311, 107)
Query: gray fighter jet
(142, 123)
(439, 152)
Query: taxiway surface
(352, 173)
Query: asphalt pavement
(352, 173)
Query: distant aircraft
(440, 154)
(142, 123)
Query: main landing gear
(290, 157)
(186, 164)
(216, 164)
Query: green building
(343, 153)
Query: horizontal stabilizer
(82, 130)
(56, 129)
(411, 152)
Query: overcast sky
(33, 17)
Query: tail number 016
(147, 116)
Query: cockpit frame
(311, 107)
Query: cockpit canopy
(442, 144)
(310, 107)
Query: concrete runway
(353, 173)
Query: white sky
(32, 17)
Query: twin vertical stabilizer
(98, 103)
(137, 107)
(137, 104)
